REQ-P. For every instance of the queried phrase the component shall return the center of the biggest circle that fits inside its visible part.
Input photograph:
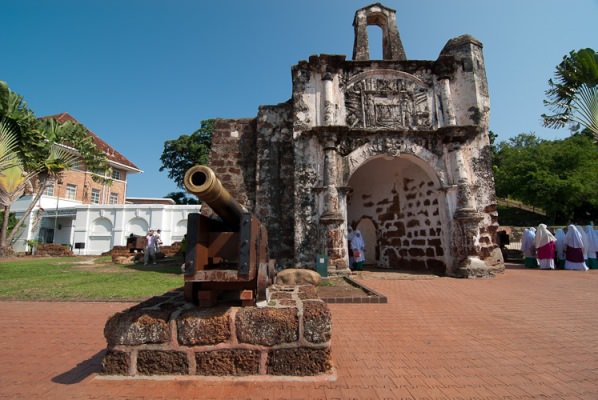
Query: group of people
(575, 249)
(153, 241)
(356, 249)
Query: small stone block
(246, 295)
(116, 363)
(158, 362)
(228, 362)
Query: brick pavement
(527, 334)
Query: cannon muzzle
(202, 181)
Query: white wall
(100, 227)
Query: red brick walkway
(527, 334)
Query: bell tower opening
(385, 18)
(375, 39)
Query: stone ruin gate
(395, 147)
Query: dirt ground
(339, 287)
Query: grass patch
(85, 278)
(327, 282)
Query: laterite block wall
(166, 336)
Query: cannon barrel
(202, 181)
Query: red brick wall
(85, 184)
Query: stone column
(448, 111)
(331, 220)
(464, 195)
(467, 218)
(329, 104)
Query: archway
(137, 226)
(100, 238)
(401, 200)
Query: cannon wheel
(263, 280)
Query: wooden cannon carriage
(227, 255)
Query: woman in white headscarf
(584, 240)
(358, 247)
(528, 247)
(574, 251)
(560, 247)
(592, 236)
(545, 247)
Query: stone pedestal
(290, 336)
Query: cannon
(227, 253)
(135, 243)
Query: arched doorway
(398, 201)
(137, 226)
(100, 238)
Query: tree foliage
(38, 151)
(182, 198)
(188, 150)
(559, 176)
(572, 96)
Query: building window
(113, 198)
(116, 174)
(71, 191)
(49, 190)
(95, 196)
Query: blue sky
(140, 72)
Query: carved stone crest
(392, 100)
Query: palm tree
(573, 94)
(586, 104)
(8, 147)
(14, 180)
(37, 154)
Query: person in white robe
(592, 236)
(574, 251)
(358, 247)
(560, 247)
(528, 247)
(545, 247)
(350, 235)
(584, 239)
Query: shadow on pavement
(81, 371)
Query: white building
(94, 229)
(93, 217)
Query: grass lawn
(85, 278)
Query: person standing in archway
(350, 235)
(358, 249)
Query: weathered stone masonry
(396, 147)
(167, 336)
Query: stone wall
(291, 336)
(233, 158)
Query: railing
(520, 205)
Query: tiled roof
(111, 154)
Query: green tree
(182, 198)
(559, 176)
(188, 150)
(40, 151)
(572, 96)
